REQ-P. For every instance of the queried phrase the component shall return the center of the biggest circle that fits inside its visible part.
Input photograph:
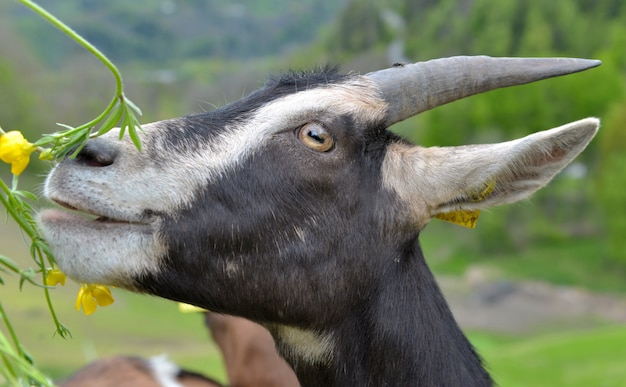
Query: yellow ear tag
(484, 194)
(468, 218)
(465, 218)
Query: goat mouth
(69, 211)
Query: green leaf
(27, 356)
(27, 195)
(27, 276)
(67, 127)
(5, 261)
(123, 126)
(63, 331)
(112, 120)
(45, 140)
(134, 107)
(81, 140)
(134, 137)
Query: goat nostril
(97, 154)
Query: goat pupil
(320, 138)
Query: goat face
(257, 196)
(295, 198)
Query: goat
(295, 207)
(249, 353)
(126, 371)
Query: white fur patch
(93, 252)
(306, 346)
(164, 371)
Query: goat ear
(453, 183)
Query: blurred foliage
(167, 30)
(578, 28)
(360, 27)
(611, 181)
(16, 96)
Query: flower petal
(187, 308)
(88, 303)
(55, 277)
(19, 165)
(102, 294)
(79, 297)
(15, 150)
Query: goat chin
(83, 244)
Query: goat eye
(316, 137)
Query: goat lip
(90, 215)
(105, 219)
(74, 208)
(65, 204)
(80, 220)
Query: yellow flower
(15, 150)
(55, 277)
(187, 308)
(92, 295)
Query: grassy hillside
(572, 359)
(166, 31)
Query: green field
(133, 325)
(579, 358)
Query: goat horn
(414, 88)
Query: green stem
(24, 225)
(9, 368)
(75, 134)
(60, 328)
(33, 234)
(95, 121)
(11, 331)
(119, 85)
(78, 39)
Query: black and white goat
(295, 207)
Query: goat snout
(97, 153)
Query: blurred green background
(180, 57)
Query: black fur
(310, 240)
